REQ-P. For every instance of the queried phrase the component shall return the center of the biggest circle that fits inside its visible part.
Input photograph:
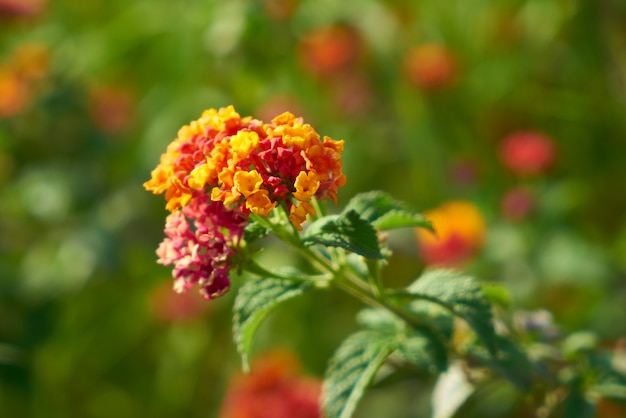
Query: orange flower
(249, 165)
(430, 66)
(327, 51)
(14, 92)
(280, 9)
(459, 233)
(274, 389)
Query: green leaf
(254, 231)
(380, 320)
(351, 369)
(511, 362)
(497, 294)
(255, 299)
(384, 212)
(346, 230)
(451, 391)
(439, 319)
(423, 352)
(420, 348)
(460, 294)
(577, 404)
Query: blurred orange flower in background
(280, 9)
(28, 63)
(459, 233)
(14, 92)
(31, 60)
(274, 389)
(329, 50)
(430, 66)
(527, 153)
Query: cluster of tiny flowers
(200, 240)
(219, 170)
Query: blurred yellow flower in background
(459, 233)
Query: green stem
(369, 290)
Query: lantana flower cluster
(220, 169)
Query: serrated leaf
(460, 294)
(379, 319)
(422, 352)
(511, 362)
(346, 230)
(351, 369)
(255, 299)
(254, 231)
(422, 348)
(384, 212)
(439, 319)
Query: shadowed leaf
(256, 298)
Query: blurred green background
(423, 92)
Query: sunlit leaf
(255, 299)
(450, 392)
(346, 230)
(384, 212)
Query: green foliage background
(81, 328)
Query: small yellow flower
(244, 142)
(306, 185)
(248, 182)
(259, 203)
(297, 214)
(198, 177)
(285, 118)
(225, 178)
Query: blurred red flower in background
(280, 9)
(14, 9)
(463, 172)
(527, 153)
(274, 389)
(459, 234)
(112, 108)
(329, 50)
(169, 307)
(517, 203)
(430, 66)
